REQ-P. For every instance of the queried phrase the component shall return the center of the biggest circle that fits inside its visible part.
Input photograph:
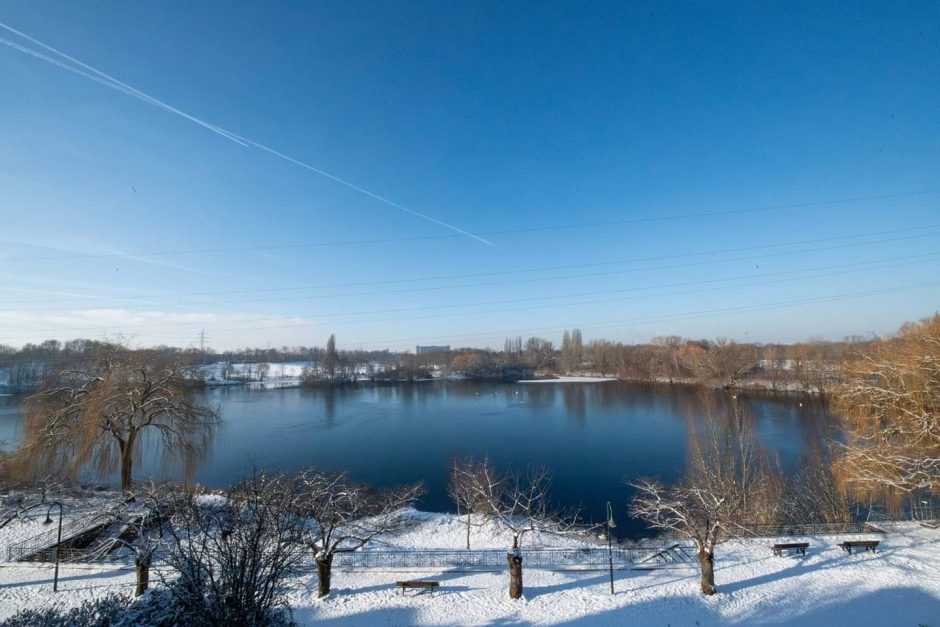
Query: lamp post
(610, 553)
(58, 543)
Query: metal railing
(496, 558)
(645, 557)
(33, 553)
(807, 529)
(71, 529)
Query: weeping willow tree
(890, 407)
(95, 414)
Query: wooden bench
(418, 585)
(868, 545)
(786, 546)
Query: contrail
(109, 81)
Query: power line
(617, 323)
(640, 320)
(517, 231)
(453, 277)
(763, 280)
(874, 264)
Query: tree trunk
(324, 570)
(515, 574)
(468, 532)
(143, 576)
(126, 463)
(706, 561)
(127, 460)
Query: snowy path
(900, 585)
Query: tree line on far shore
(813, 366)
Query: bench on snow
(786, 546)
(419, 585)
(868, 545)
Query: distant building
(431, 349)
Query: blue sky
(800, 143)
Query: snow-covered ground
(264, 373)
(31, 523)
(900, 585)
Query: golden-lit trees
(96, 413)
(474, 363)
(890, 407)
(668, 350)
(728, 361)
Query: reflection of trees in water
(537, 394)
(617, 408)
(328, 397)
(386, 393)
(575, 399)
(329, 403)
(645, 399)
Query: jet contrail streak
(109, 81)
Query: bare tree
(540, 353)
(97, 412)
(728, 484)
(519, 502)
(572, 350)
(142, 516)
(669, 349)
(330, 358)
(890, 406)
(471, 488)
(728, 361)
(813, 492)
(346, 515)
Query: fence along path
(671, 555)
(46, 541)
(640, 557)
(663, 552)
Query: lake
(592, 435)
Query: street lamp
(58, 543)
(611, 523)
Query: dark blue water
(592, 435)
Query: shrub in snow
(107, 611)
(232, 556)
(161, 608)
(153, 609)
